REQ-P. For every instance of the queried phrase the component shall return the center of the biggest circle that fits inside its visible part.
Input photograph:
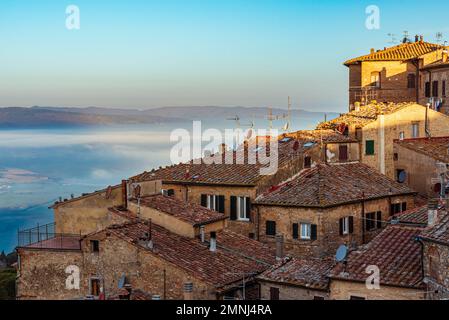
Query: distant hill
(63, 116)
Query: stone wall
(42, 274)
(344, 290)
(436, 270)
(327, 221)
(290, 292)
(86, 214)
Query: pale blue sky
(194, 52)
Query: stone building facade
(392, 74)
(330, 205)
(376, 126)
(422, 164)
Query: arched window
(411, 81)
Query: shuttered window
(346, 225)
(213, 202)
(369, 147)
(343, 153)
(427, 89)
(435, 89)
(274, 293)
(240, 208)
(295, 231)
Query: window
(274, 293)
(395, 156)
(443, 88)
(213, 202)
(305, 231)
(415, 130)
(411, 81)
(356, 298)
(375, 79)
(318, 298)
(95, 287)
(346, 225)
(401, 135)
(396, 208)
(427, 89)
(343, 153)
(240, 208)
(95, 246)
(435, 89)
(270, 228)
(369, 147)
(169, 192)
(307, 162)
(373, 220)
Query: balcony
(45, 237)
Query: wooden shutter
(379, 220)
(204, 200)
(313, 232)
(368, 221)
(248, 208)
(233, 215)
(295, 231)
(341, 222)
(404, 206)
(351, 224)
(274, 293)
(427, 90)
(221, 201)
(343, 153)
(369, 147)
(170, 192)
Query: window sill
(243, 220)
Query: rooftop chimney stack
(372, 50)
(416, 38)
(279, 246)
(213, 241)
(202, 233)
(421, 38)
(188, 291)
(125, 194)
(432, 213)
(223, 148)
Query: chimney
(125, 194)
(372, 50)
(188, 291)
(432, 213)
(223, 148)
(421, 38)
(279, 246)
(444, 55)
(416, 38)
(213, 241)
(202, 233)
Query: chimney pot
(421, 38)
(416, 38)
(213, 241)
(279, 246)
(202, 233)
(372, 50)
(188, 291)
(432, 213)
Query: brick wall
(290, 292)
(436, 270)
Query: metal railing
(45, 237)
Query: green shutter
(369, 147)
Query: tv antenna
(239, 124)
(439, 37)
(393, 40)
(288, 116)
(406, 38)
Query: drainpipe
(363, 219)
(382, 143)
(416, 64)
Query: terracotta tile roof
(416, 216)
(235, 253)
(436, 148)
(440, 232)
(395, 251)
(185, 211)
(365, 115)
(85, 195)
(308, 273)
(122, 212)
(326, 135)
(404, 51)
(436, 65)
(331, 185)
(245, 174)
(59, 242)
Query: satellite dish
(342, 252)
(402, 176)
(121, 282)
